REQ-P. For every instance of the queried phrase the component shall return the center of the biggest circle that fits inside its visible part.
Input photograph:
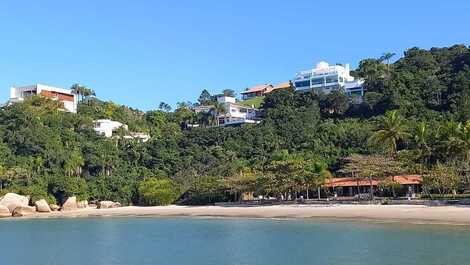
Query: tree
(155, 191)
(456, 140)
(216, 111)
(228, 93)
(315, 175)
(386, 58)
(391, 131)
(335, 102)
(205, 98)
(83, 92)
(441, 178)
(164, 107)
(370, 167)
(421, 138)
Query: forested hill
(415, 112)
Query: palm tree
(83, 92)
(421, 140)
(457, 140)
(216, 110)
(392, 131)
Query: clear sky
(142, 52)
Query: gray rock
(70, 204)
(42, 206)
(23, 211)
(13, 200)
(4, 212)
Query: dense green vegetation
(415, 116)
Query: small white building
(235, 113)
(107, 127)
(68, 99)
(326, 78)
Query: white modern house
(108, 127)
(235, 113)
(327, 78)
(68, 99)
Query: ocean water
(174, 241)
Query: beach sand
(377, 213)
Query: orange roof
(259, 88)
(282, 85)
(352, 182)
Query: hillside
(415, 113)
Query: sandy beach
(378, 213)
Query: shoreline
(413, 214)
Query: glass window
(302, 83)
(332, 79)
(317, 81)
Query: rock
(23, 210)
(13, 200)
(82, 204)
(42, 206)
(70, 204)
(54, 207)
(4, 212)
(108, 204)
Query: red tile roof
(259, 88)
(352, 182)
(284, 85)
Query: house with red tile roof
(284, 85)
(408, 184)
(256, 91)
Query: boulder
(108, 204)
(82, 204)
(23, 210)
(54, 207)
(4, 212)
(13, 200)
(70, 204)
(42, 206)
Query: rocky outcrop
(42, 206)
(23, 210)
(13, 200)
(82, 204)
(54, 207)
(70, 204)
(4, 212)
(108, 204)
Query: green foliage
(155, 191)
(415, 111)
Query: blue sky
(142, 52)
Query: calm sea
(140, 241)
